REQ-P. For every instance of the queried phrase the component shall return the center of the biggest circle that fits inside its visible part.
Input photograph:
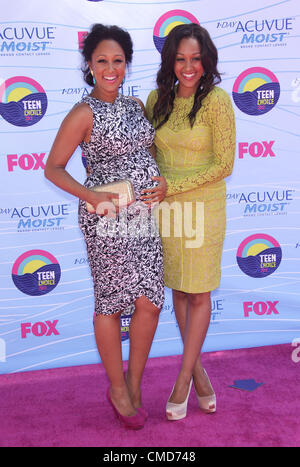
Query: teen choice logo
(23, 101)
(259, 255)
(256, 91)
(125, 323)
(167, 22)
(36, 272)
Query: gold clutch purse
(123, 188)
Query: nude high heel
(207, 404)
(177, 411)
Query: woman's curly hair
(166, 78)
(98, 33)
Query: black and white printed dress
(125, 254)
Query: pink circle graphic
(49, 258)
(257, 238)
(168, 21)
(17, 82)
(253, 71)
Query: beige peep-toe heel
(207, 404)
(177, 411)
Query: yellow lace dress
(194, 162)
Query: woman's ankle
(202, 382)
(134, 389)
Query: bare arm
(75, 128)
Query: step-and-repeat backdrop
(46, 304)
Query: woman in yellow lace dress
(195, 145)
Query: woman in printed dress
(126, 266)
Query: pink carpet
(67, 406)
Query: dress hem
(126, 306)
(209, 289)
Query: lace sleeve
(150, 105)
(220, 116)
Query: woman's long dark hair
(166, 78)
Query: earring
(94, 81)
(122, 84)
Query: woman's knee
(179, 295)
(200, 299)
(144, 305)
(111, 318)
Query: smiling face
(108, 66)
(188, 66)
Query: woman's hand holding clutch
(108, 198)
(103, 204)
